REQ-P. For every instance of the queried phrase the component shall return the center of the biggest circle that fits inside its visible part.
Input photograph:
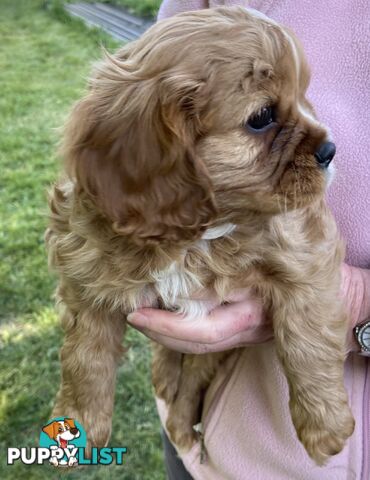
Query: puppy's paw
(182, 415)
(321, 443)
(97, 425)
(322, 439)
(181, 433)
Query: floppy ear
(130, 145)
(262, 70)
(70, 422)
(50, 430)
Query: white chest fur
(179, 288)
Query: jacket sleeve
(169, 8)
(172, 7)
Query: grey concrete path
(114, 20)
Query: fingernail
(137, 319)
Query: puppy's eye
(262, 119)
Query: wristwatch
(362, 335)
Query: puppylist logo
(63, 443)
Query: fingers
(252, 336)
(221, 324)
(181, 346)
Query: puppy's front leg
(89, 357)
(310, 340)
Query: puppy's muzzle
(325, 154)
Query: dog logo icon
(63, 435)
(63, 443)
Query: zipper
(199, 429)
(365, 475)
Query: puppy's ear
(130, 146)
(70, 422)
(50, 430)
(262, 70)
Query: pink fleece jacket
(248, 431)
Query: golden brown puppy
(195, 162)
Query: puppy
(195, 162)
(62, 432)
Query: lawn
(44, 60)
(145, 8)
(142, 7)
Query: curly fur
(158, 153)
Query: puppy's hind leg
(185, 411)
(166, 372)
(90, 354)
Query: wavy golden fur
(157, 154)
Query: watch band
(362, 335)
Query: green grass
(142, 7)
(44, 60)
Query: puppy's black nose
(74, 431)
(325, 153)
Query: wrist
(356, 292)
(365, 310)
(358, 295)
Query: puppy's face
(62, 431)
(199, 121)
(262, 133)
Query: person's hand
(238, 323)
(242, 321)
(356, 293)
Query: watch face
(364, 337)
